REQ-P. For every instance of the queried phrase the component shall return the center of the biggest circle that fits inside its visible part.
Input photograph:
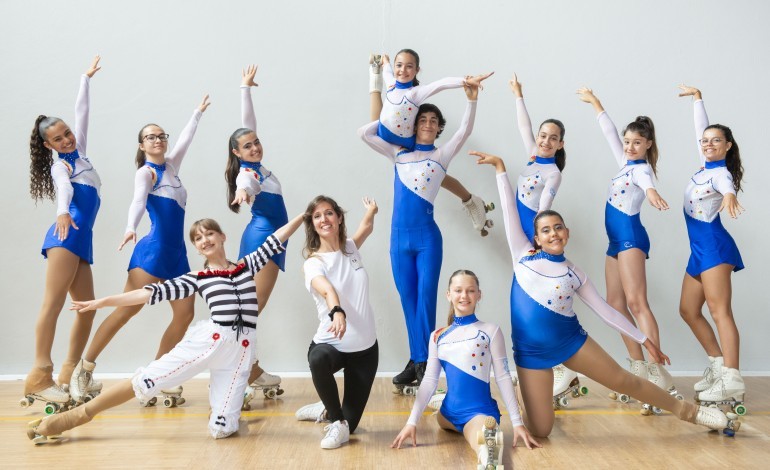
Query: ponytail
(733, 157)
(643, 126)
(41, 158)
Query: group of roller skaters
(549, 345)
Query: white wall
(159, 58)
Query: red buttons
(245, 343)
(215, 336)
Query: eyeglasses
(713, 141)
(152, 138)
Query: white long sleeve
(550, 188)
(82, 104)
(249, 182)
(517, 239)
(609, 315)
(701, 123)
(60, 174)
(423, 92)
(142, 188)
(368, 134)
(611, 135)
(503, 377)
(428, 385)
(455, 143)
(525, 128)
(248, 117)
(176, 155)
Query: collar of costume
(716, 164)
(636, 162)
(545, 255)
(256, 167)
(545, 161)
(466, 320)
(159, 169)
(424, 147)
(70, 158)
(403, 85)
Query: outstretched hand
(241, 196)
(656, 200)
(408, 433)
(515, 86)
(689, 91)
(474, 81)
(204, 104)
(129, 236)
(656, 354)
(94, 66)
(488, 159)
(248, 74)
(521, 432)
(730, 202)
(586, 95)
(81, 306)
(370, 205)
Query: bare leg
(631, 266)
(265, 280)
(536, 386)
(183, 314)
(471, 431)
(455, 187)
(137, 278)
(718, 289)
(691, 310)
(616, 297)
(82, 288)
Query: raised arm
(248, 117)
(366, 227)
(700, 116)
(605, 123)
(423, 92)
(387, 72)
(517, 240)
(176, 155)
(171, 289)
(368, 134)
(142, 187)
(428, 387)
(257, 259)
(522, 116)
(456, 142)
(82, 106)
(134, 297)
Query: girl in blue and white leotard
(629, 245)
(546, 332)
(73, 183)
(468, 350)
(714, 256)
(416, 246)
(161, 254)
(249, 180)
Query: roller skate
(315, 412)
(375, 73)
(658, 375)
(639, 369)
(48, 430)
(710, 375)
(82, 386)
(406, 382)
(437, 400)
(566, 384)
(728, 390)
(172, 397)
(477, 211)
(40, 386)
(714, 418)
(490, 440)
(269, 384)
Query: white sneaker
(266, 380)
(436, 400)
(315, 412)
(337, 434)
(711, 374)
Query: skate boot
(477, 211)
(65, 375)
(39, 385)
(436, 401)
(714, 418)
(375, 73)
(566, 384)
(658, 375)
(639, 369)
(269, 384)
(406, 381)
(315, 412)
(490, 440)
(729, 389)
(710, 375)
(48, 430)
(172, 397)
(82, 385)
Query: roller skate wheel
(169, 402)
(180, 401)
(740, 410)
(51, 408)
(646, 411)
(484, 232)
(26, 402)
(624, 398)
(575, 393)
(270, 393)
(245, 407)
(656, 410)
(152, 401)
(87, 398)
(279, 391)
(728, 432)
(409, 391)
(613, 396)
(583, 390)
(563, 402)
(679, 396)
(490, 207)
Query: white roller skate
(658, 375)
(714, 418)
(710, 375)
(477, 211)
(172, 397)
(639, 369)
(729, 389)
(269, 384)
(490, 440)
(82, 386)
(437, 400)
(566, 384)
(375, 73)
(40, 386)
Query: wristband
(334, 310)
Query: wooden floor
(594, 433)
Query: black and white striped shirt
(230, 294)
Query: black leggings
(360, 369)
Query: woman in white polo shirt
(346, 337)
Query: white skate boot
(269, 384)
(172, 397)
(566, 384)
(728, 389)
(436, 401)
(714, 418)
(710, 375)
(490, 440)
(39, 385)
(375, 73)
(658, 375)
(639, 369)
(82, 386)
(477, 211)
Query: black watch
(334, 310)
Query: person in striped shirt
(224, 344)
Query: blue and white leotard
(626, 193)
(545, 330)
(468, 351)
(268, 210)
(162, 252)
(400, 106)
(710, 244)
(416, 245)
(539, 181)
(77, 187)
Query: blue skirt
(83, 209)
(162, 253)
(710, 246)
(268, 214)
